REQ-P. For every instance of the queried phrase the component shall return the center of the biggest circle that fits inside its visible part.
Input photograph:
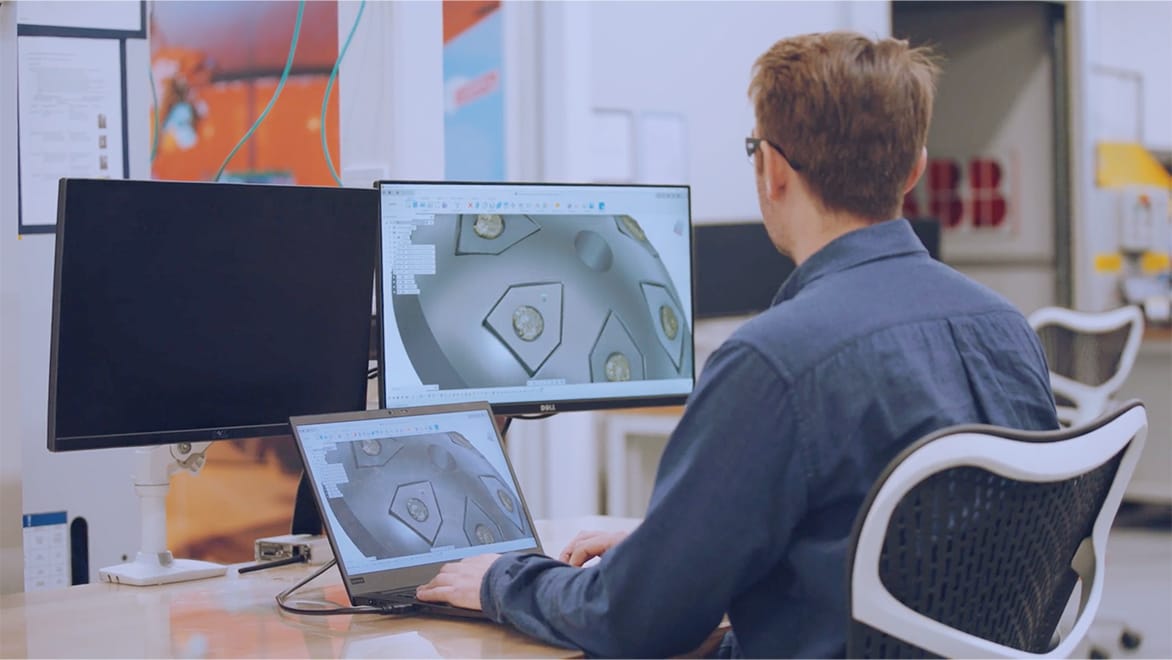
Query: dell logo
(549, 407)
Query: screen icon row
(508, 206)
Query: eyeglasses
(752, 144)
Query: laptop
(404, 491)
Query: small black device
(738, 270)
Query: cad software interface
(531, 293)
(451, 493)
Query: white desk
(236, 616)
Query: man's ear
(777, 172)
(917, 171)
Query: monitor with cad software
(206, 311)
(535, 297)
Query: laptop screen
(410, 488)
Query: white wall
(1133, 37)
(11, 561)
(695, 59)
(391, 92)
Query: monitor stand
(152, 479)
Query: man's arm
(730, 488)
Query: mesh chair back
(1087, 357)
(1090, 355)
(987, 554)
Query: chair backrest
(971, 542)
(1090, 356)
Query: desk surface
(236, 616)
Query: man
(870, 345)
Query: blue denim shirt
(869, 345)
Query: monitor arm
(152, 480)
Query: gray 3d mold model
(406, 495)
(517, 298)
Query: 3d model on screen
(518, 298)
(405, 495)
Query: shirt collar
(881, 240)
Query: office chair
(1090, 356)
(973, 539)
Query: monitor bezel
(57, 443)
(544, 407)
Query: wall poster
(215, 66)
(474, 103)
(71, 99)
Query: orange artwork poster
(215, 66)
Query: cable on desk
(274, 563)
(406, 608)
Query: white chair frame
(1077, 451)
(1091, 401)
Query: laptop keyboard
(407, 597)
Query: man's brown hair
(850, 113)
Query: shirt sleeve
(730, 488)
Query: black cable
(405, 608)
(296, 559)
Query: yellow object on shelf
(1128, 163)
(1154, 262)
(1108, 262)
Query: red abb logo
(984, 205)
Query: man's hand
(588, 545)
(458, 583)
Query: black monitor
(738, 270)
(206, 311)
(535, 297)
